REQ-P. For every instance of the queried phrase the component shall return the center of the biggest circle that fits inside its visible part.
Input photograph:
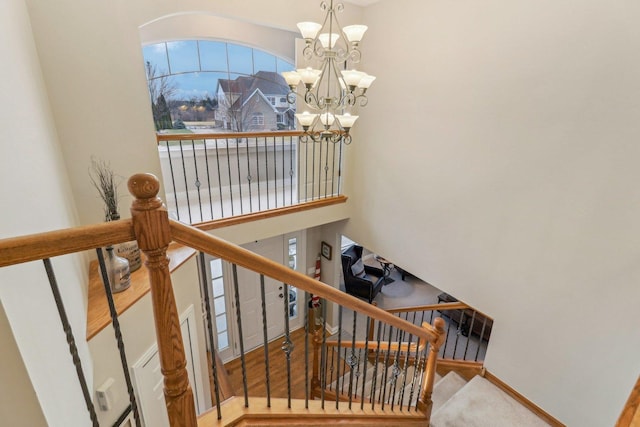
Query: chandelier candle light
(330, 91)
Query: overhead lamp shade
(347, 120)
(309, 75)
(354, 33)
(291, 77)
(365, 82)
(309, 30)
(327, 118)
(325, 37)
(352, 77)
(306, 118)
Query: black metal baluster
(326, 170)
(306, 172)
(284, 185)
(186, 185)
(383, 392)
(291, 169)
(239, 320)
(207, 308)
(484, 323)
(206, 162)
(338, 364)
(299, 168)
(333, 170)
(320, 169)
(229, 172)
(366, 362)
(344, 369)
(331, 368)
(340, 171)
(265, 341)
(249, 177)
(258, 172)
(116, 328)
(71, 341)
(287, 345)
(473, 318)
(372, 392)
(416, 370)
(396, 371)
(266, 167)
(219, 180)
(353, 360)
(323, 353)
(446, 340)
(460, 331)
(275, 173)
(197, 183)
(239, 175)
(173, 180)
(307, 301)
(418, 375)
(313, 171)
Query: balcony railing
(220, 175)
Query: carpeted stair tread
(481, 404)
(445, 388)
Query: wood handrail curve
(215, 246)
(431, 307)
(34, 247)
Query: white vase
(131, 252)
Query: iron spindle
(383, 391)
(73, 349)
(338, 364)
(406, 366)
(287, 345)
(229, 172)
(118, 333)
(186, 184)
(333, 169)
(239, 320)
(266, 167)
(319, 169)
(219, 180)
(206, 162)
(340, 170)
(265, 340)
(284, 186)
(275, 174)
(473, 318)
(324, 352)
(258, 172)
(366, 362)
(207, 310)
(307, 301)
(291, 169)
(239, 175)
(372, 392)
(249, 177)
(353, 362)
(416, 371)
(484, 323)
(197, 183)
(173, 180)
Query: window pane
(183, 56)
(221, 323)
(284, 65)
(240, 59)
(219, 305)
(156, 55)
(216, 268)
(263, 61)
(218, 287)
(213, 56)
(195, 86)
(223, 341)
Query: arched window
(203, 84)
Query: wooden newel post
(425, 402)
(151, 226)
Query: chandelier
(335, 87)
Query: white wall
(36, 197)
(497, 159)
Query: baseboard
(521, 399)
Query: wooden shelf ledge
(98, 316)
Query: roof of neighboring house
(267, 82)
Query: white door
(251, 301)
(148, 380)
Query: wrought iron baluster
(484, 323)
(116, 328)
(71, 341)
(338, 364)
(333, 170)
(266, 168)
(446, 340)
(473, 318)
(186, 184)
(460, 331)
(207, 310)
(313, 170)
(331, 369)
(239, 320)
(366, 362)
(229, 172)
(219, 180)
(324, 352)
(406, 366)
(344, 369)
(320, 169)
(326, 171)
(383, 392)
(291, 169)
(306, 172)
(396, 371)
(258, 172)
(307, 301)
(416, 372)
(340, 171)
(284, 185)
(173, 179)
(372, 393)
(352, 361)
(239, 175)
(275, 174)
(287, 345)
(197, 183)
(206, 162)
(265, 340)
(249, 177)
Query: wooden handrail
(630, 415)
(39, 246)
(383, 346)
(227, 135)
(215, 246)
(431, 307)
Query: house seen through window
(215, 86)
